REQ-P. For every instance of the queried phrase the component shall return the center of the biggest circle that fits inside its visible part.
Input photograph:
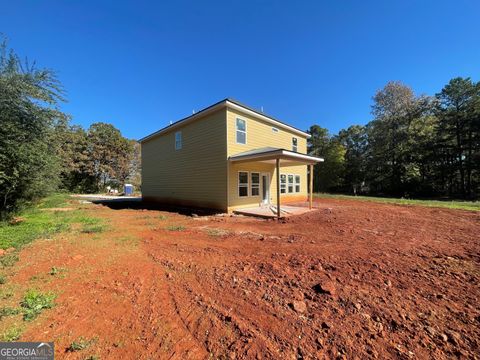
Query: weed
(12, 334)
(175, 228)
(92, 229)
(35, 277)
(8, 259)
(127, 240)
(35, 302)
(80, 344)
(217, 232)
(162, 217)
(8, 311)
(6, 294)
(3, 279)
(56, 270)
(92, 357)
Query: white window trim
(247, 185)
(178, 143)
(257, 185)
(294, 184)
(236, 130)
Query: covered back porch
(263, 181)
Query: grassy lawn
(462, 205)
(43, 220)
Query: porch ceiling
(270, 155)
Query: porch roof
(270, 154)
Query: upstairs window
(241, 133)
(178, 140)
(254, 184)
(242, 184)
(294, 144)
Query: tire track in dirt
(225, 323)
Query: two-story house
(226, 157)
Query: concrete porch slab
(271, 211)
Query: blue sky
(139, 64)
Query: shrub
(80, 344)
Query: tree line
(415, 146)
(41, 152)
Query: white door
(265, 189)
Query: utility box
(128, 189)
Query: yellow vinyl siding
(237, 202)
(261, 135)
(196, 174)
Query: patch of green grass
(35, 222)
(93, 229)
(8, 311)
(81, 344)
(34, 302)
(11, 334)
(175, 228)
(457, 204)
(9, 259)
(86, 220)
(38, 222)
(54, 201)
(162, 217)
(3, 279)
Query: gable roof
(230, 103)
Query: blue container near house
(128, 189)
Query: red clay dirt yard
(351, 280)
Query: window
(274, 129)
(241, 131)
(290, 183)
(294, 144)
(255, 184)
(283, 183)
(297, 183)
(243, 183)
(178, 140)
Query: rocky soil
(351, 280)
